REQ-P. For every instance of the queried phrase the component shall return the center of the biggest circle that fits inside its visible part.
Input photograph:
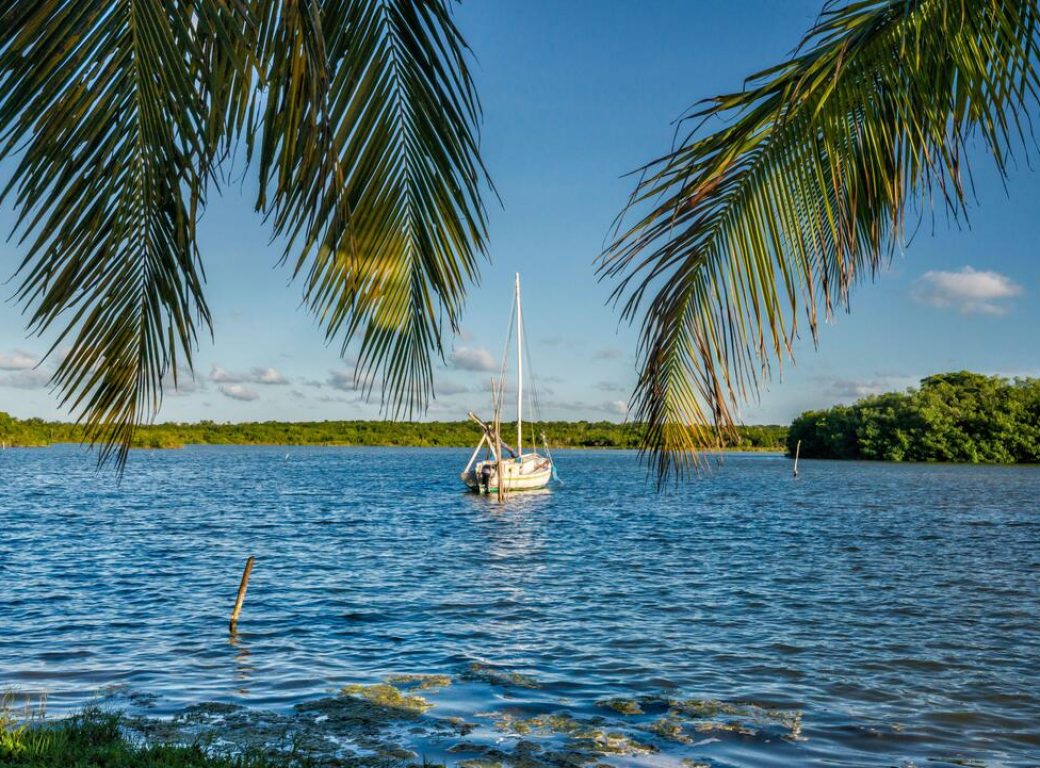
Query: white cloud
(239, 392)
(969, 291)
(617, 407)
(856, 388)
(29, 378)
(473, 359)
(257, 375)
(17, 361)
(221, 376)
(267, 376)
(846, 389)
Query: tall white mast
(519, 372)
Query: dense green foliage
(94, 740)
(960, 417)
(561, 434)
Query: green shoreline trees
(564, 434)
(951, 417)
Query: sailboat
(504, 465)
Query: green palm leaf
(370, 158)
(804, 190)
(117, 114)
(102, 105)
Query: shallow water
(897, 608)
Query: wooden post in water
(233, 624)
(797, 451)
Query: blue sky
(575, 95)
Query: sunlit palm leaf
(115, 114)
(804, 190)
(101, 104)
(369, 164)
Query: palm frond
(103, 106)
(116, 115)
(804, 190)
(370, 170)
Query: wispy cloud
(221, 376)
(851, 388)
(967, 290)
(857, 388)
(256, 375)
(450, 388)
(473, 359)
(26, 378)
(239, 392)
(17, 360)
(336, 399)
(607, 353)
(268, 376)
(574, 409)
(186, 383)
(347, 381)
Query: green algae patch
(479, 762)
(670, 728)
(461, 725)
(621, 705)
(420, 682)
(486, 673)
(746, 719)
(335, 731)
(386, 695)
(586, 738)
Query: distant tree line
(560, 434)
(955, 417)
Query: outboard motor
(485, 479)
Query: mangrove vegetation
(427, 434)
(954, 417)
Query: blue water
(896, 607)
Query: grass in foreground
(94, 740)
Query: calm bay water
(896, 607)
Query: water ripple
(896, 607)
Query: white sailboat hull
(529, 473)
(522, 472)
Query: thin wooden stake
(797, 451)
(241, 593)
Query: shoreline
(457, 446)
